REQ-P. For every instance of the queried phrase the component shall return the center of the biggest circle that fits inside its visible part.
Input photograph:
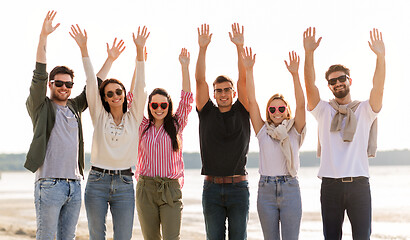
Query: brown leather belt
(220, 180)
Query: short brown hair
(61, 70)
(221, 79)
(337, 68)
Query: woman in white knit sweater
(110, 181)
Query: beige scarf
(280, 133)
(347, 111)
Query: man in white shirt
(344, 135)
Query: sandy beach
(391, 208)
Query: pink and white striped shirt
(155, 154)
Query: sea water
(390, 189)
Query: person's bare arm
(310, 44)
(376, 94)
(237, 38)
(202, 89)
(248, 61)
(300, 112)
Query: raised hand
(204, 38)
(48, 24)
(79, 37)
(237, 36)
(248, 58)
(115, 51)
(309, 40)
(184, 57)
(141, 37)
(376, 43)
(293, 66)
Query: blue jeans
(221, 201)
(354, 197)
(116, 191)
(279, 202)
(58, 204)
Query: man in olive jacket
(56, 153)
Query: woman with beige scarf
(280, 136)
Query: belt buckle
(347, 179)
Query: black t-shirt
(224, 139)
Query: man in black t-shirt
(224, 132)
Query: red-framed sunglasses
(281, 109)
(155, 105)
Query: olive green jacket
(42, 114)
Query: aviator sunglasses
(110, 94)
(281, 109)
(341, 79)
(155, 105)
(59, 83)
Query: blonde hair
(277, 96)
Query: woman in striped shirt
(160, 168)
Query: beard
(342, 94)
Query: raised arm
(80, 38)
(310, 44)
(377, 46)
(184, 60)
(38, 88)
(113, 53)
(138, 91)
(237, 38)
(300, 113)
(139, 42)
(248, 61)
(45, 31)
(202, 89)
(92, 90)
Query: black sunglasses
(281, 109)
(155, 105)
(59, 83)
(110, 94)
(341, 79)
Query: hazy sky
(272, 29)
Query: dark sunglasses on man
(341, 79)
(110, 94)
(59, 83)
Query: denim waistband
(283, 178)
(59, 179)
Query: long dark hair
(102, 94)
(171, 125)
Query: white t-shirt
(343, 159)
(272, 162)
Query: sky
(272, 29)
